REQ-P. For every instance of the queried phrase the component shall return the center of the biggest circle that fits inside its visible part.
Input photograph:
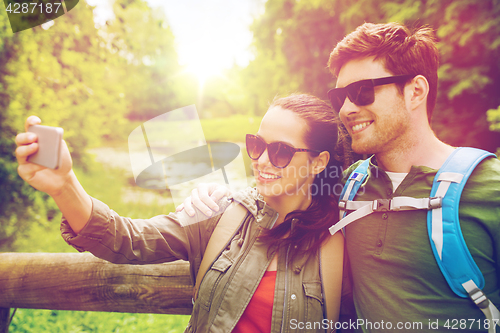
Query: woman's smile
(265, 177)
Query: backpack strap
(227, 227)
(331, 270)
(443, 223)
(364, 208)
(447, 242)
(352, 186)
(349, 191)
(484, 304)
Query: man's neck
(424, 150)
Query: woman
(268, 278)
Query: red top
(258, 314)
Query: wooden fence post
(82, 282)
(4, 320)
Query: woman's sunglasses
(362, 92)
(280, 154)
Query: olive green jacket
(233, 278)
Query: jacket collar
(252, 200)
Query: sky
(210, 35)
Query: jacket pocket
(313, 301)
(211, 281)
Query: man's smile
(356, 128)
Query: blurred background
(106, 67)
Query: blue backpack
(443, 225)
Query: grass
(34, 321)
(232, 129)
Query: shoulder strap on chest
(352, 185)
(331, 259)
(348, 193)
(230, 222)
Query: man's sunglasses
(362, 92)
(280, 154)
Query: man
(395, 276)
(397, 283)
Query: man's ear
(320, 162)
(417, 91)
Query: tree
(148, 61)
(83, 79)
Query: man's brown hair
(403, 52)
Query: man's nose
(348, 108)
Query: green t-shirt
(397, 283)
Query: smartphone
(49, 146)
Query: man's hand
(204, 197)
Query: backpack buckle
(381, 205)
(479, 298)
(435, 202)
(342, 204)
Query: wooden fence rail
(82, 282)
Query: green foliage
(83, 79)
(293, 39)
(494, 119)
(148, 63)
(62, 75)
(20, 204)
(469, 44)
(15, 196)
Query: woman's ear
(417, 92)
(320, 162)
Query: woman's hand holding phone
(50, 181)
(60, 183)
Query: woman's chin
(269, 189)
